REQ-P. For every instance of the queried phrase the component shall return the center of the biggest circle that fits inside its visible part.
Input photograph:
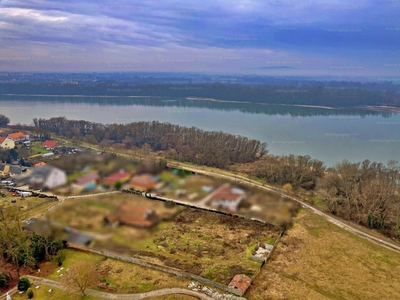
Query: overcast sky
(321, 37)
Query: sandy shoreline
(216, 100)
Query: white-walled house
(47, 177)
(227, 197)
(6, 142)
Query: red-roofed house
(241, 283)
(144, 182)
(17, 136)
(120, 176)
(49, 145)
(132, 215)
(6, 142)
(227, 197)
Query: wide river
(330, 135)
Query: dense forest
(345, 95)
(194, 145)
(366, 193)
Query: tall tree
(4, 120)
(15, 243)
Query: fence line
(169, 270)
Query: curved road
(254, 183)
(161, 292)
(244, 180)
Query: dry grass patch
(318, 260)
(119, 276)
(43, 293)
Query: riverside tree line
(216, 149)
(366, 193)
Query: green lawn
(43, 293)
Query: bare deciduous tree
(80, 277)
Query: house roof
(134, 215)
(50, 144)
(144, 181)
(227, 193)
(2, 139)
(17, 135)
(87, 178)
(14, 169)
(120, 175)
(240, 282)
(42, 171)
(79, 238)
(42, 163)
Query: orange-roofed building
(241, 283)
(133, 216)
(120, 176)
(144, 182)
(42, 163)
(17, 136)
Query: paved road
(161, 292)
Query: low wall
(173, 271)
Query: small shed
(241, 283)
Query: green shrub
(60, 257)
(4, 280)
(30, 294)
(23, 284)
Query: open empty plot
(318, 260)
(211, 245)
(115, 276)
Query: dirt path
(161, 292)
(331, 219)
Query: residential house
(49, 144)
(227, 197)
(45, 177)
(6, 142)
(133, 216)
(240, 283)
(144, 182)
(12, 170)
(120, 176)
(17, 137)
(87, 181)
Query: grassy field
(207, 244)
(116, 276)
(43, 293)
(318, 260)
(29, 206)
